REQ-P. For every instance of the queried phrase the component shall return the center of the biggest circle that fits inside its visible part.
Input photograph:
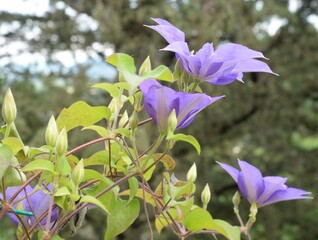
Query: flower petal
(190, 105)
(252, 65)
(250, 181)
(167, 30)
(285, 195)
(230, 170)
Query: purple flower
(221, 67)
(262, 190)
(159, 102)
(36, 202)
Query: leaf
(133, 188)
(186, 138)
(206, 221)
(148, 197)
(121, 217)
(98, 158)
(81, 114)
(5, 159)
(167, 161)
(112, 89)
(91, 199)
(161, 73)
(98, 129)
(14, 143)
(231, 232)
(62, 166)
(123, 62)
(39, 164)
(63, 191)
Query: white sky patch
(271, 26)
(29, 7)
(294, 5)
(313, 19)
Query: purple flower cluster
(262, 190)
(221, 67)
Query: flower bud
(253, 212)
(123, 120)
(236, 201)
(206, 195)
(172, 121)
(145, 66)
(9, 109)
(192, 173)
(78, 173)
(51, 132)
(61, 143)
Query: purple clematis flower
(37, 203)
(159, 102)
(262, 190)
(220, 67)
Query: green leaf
(161, 73)
(148, 197)
(91, 199)
(112, 89)
(81, 114)
(63, 191)
(62, 166)
(123, 131)
(123, 62)
(98, 158)
(98, 129)
(5, 159)
(186, 138)
(121, 217)
(14, 143)
(133, 81)
(231, 232)
(206, 221)
(133, 187)
(39, 164)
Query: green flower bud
(145, 66)
(206, 195)
(192, 173)
(78, 173)
(253, 212)
(123, 120)
(51, 132)
(236, 201)
(9, 109)
(61, 143)
(172, 121)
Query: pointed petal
(190, 105)
(252, 65)
(285, 195)
(250, 181)
(167, 30)
(272, 184)
(230, 170)
(145, 85)
(235, 52)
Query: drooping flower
(160, 101)
(37, 202)
(220, 67)
(262, 190)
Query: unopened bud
(172, 121)
(192, 173)
(123, 120)
(113, 105)
(236, 200)
(9, 109)
(253, 212)
(78, 172)
(145, 66)
(206, 195)
(61, 143)
(51, 132)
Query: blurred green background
(52, 51)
